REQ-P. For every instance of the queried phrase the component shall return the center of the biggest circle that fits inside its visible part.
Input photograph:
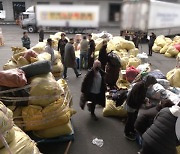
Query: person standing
(91, 51)
(49, 49)
(135, 98)
(136, 40)
(61, 46)
(93, 89)
(103, 55)
(83, 53)
(161, 137)
(151, 43)
(41, 34)
(25, 40)
(70, 58)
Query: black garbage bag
(114, 60)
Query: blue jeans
(83, 56)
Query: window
(18, 7)
(114, 12)
(1, 6)
(25, 16)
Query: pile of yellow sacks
(49, 111)
(165, 45)
(173, 77)
(18, 58)
(13, 139)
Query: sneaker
(79, 74)
(94, 117)
(131, 136)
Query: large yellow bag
(9, 137)
(164, 49)
(39, 48)
(18, 49)
(44, 89)
(10, 65)
(134, 52)
(38, 118)
(156, 48)
(55, 131)
(168, 55)
(22, 61)
(58, 67)
(173, 77)
(173, 51)
(44, 56)
(128, 45)
(22, 144)
(112, 110)
(134, 62)
(124, 62)
(160, 41)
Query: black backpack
(113, 59)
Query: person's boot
(94, 117)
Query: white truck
(71, 18)
(162, 18)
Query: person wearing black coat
(26, 40)
(151, 43)
(91, 50)
(161, 137)
(135, 98)
(103, 55)
(93, 88)
(61, 46)
(41, 34)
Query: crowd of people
(155, 126)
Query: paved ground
(108, 129)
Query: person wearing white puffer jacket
(161, 137)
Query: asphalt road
(108, 129)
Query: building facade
(109, 9)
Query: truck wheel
(31, 29)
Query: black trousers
(150, 50)
(129, 127)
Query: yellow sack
(99, 43)
(22, 144)
(39, 48)
(124, 62)
(58, 35)
(160, 41)
(58, 67)
(114, 43)
(44, 56)
(134, 52)
(22, 61)
(96, 55)
(38, 118)
(176, 38)
(156, 48)
(173, 51)
(173, 77)
(168, 55)
(112, 110)
(10, 65)
(168, 40)
(134, 62)
(18, 49)
(128, 45)
(44, 89)
(122, 84)
(164, 49)
(9, 137)
(17, 55)
(55, 131)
